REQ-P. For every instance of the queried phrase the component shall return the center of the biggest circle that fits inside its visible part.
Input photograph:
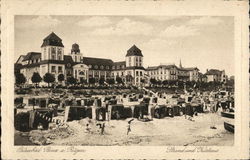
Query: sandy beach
(176, 131)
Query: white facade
(80, 72)
(194, 75)
(52, 53)
(134, 61)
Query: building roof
(43, 62)
(17, 66)
(163, 66)
(134, 51)
(75, 48)
(52, 40)
(32, 55)
(68, 59)
(119, 65)
(201, 75)
(22, 56)
(188, 69)
(135, 67)
(213, 72)
(152, 68)
(96, 63)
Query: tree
(60, 77)
(172, 83)
(101, 81)
(20, 78)
(129, 78)
(111, 81)
(158, 82)
(153, 81)
(143, 81)
(36, 78)
(165, 82)
(119, 80)
(83, 81)
(49, 78)
(92, 80)
(180, 84)
(71, 80)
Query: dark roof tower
(134, 51)
(52, 40)
(75, 48)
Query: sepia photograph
(124, 80)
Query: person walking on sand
(102, 129)
(129, 127)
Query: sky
(205, 42)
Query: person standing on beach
(102, 128)
(129, 127)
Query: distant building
(163, 72)
(215, 75)
(172, 72)
(202, 77)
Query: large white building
(52, 59)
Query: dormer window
(113, 67)
(90, 66)
(96, 67)
(102, 67)
(107, 67)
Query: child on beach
(87, 130)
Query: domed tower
(134, 64)
(75, 53)
(52, 48)
(134, 57)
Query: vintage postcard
(124, 79)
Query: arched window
(81, 73)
